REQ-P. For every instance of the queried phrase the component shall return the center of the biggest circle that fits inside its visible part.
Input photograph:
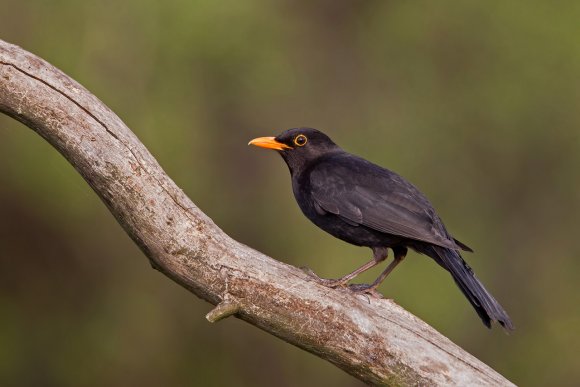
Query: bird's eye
(300, 140)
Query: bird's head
(298, 146)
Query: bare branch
(374, 340)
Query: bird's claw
(330, 283)
(365, 289)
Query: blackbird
(367, 205)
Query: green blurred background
(477, 103)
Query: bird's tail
(485, 305)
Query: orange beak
(269, 143)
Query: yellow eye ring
(300, 140)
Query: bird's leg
(400, 253)
(379, 255)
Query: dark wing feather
(362, 193)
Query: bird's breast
(358, 235)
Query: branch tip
(223, 310)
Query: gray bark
(374, 340)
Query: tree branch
(374, 340)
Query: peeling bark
(374, 340)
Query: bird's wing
(362, 193)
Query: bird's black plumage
(367, 205)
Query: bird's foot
(330, 283)
(365, 289)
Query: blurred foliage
(475, 102)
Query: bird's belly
(334, 225)
(356, 235)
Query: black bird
(367, 205)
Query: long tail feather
(482, 301)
